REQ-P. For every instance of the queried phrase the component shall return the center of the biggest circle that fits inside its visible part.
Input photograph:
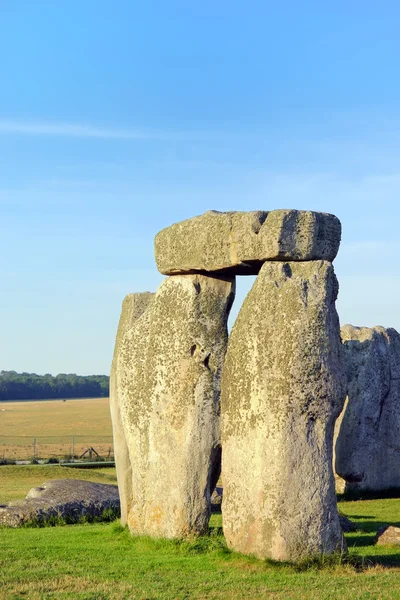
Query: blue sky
(120, 118)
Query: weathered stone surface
(347, 525)
(240, 242)
(283, 386)
(340, 483)
(368, 442)
(168, 370)
(133, 307)
(216, 500)
(388, 536)
(68, 499)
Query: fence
(66, 447)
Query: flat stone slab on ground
(69, 499)
(239, 243)
(388, 536)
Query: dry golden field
(57, 425)
(56, 417)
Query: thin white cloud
(78, 130)
(72, 130)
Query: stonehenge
(368, 439)
(268, 395)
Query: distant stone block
(368, 440)
(388, 536)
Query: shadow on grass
(374, 526)
(354, 494)
(369, 529)
(360, 541)
(385, 560)
(374, 559)
(365, 538)
(351, 517)
(356, 562)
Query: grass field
(53, 423)
(99, 562)
(102, 561)
(56, 417)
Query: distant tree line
(29, 386)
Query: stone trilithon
(282, 385)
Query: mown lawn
(102, 561)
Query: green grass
(102, 561)
(370, 515)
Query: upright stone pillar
(133, 307)
(283, 387)
(169, 366)
(368, 441)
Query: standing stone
(283, 387)
(133, 307)
(169, 370)
(240, 242)
(368, 442)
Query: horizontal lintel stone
(239, 243)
